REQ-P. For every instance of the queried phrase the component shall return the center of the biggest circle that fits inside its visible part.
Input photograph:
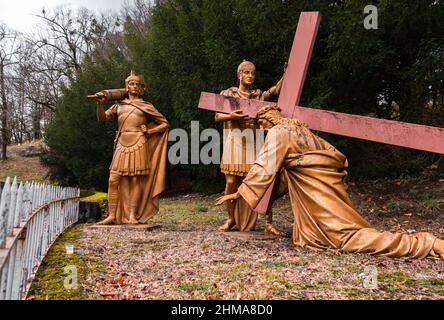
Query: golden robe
(312, 171)
(139, 155)
(239, 154)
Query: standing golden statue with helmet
(239, 151)
(138, 167)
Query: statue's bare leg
(113, 198)
(269, 228)
(230, 187)
(134, 200)
(281, 189)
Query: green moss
(393, 205)
(49, 282)
(194, 286)
(185, 211)
(361, 294)
(434, 284)
(339, 257)
(353, 268)
(283, 264)
(275, 264)
(431, 206)
(391, 282)
(96, 197)
(397, 276)
(284, 282)
(201, 208)
(336, 273)
(100, 197)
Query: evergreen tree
(394, 72)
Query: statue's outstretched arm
(235, 115)
(274, 90)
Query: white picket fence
(32, 216)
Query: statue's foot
(133, 220)
(269, 228)
(107, 221)
(227, 226)
(438, 247)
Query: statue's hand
(238, 114)
(100, 97)
(228, 197)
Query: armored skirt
(131, 155)
(239, 150)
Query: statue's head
(135, 84)
(268, 116)
(246, 73)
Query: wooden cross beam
(395, 133)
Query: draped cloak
(153, 149)
(313, 172)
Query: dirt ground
(24, 168)
(187, 258)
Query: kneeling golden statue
(312, 171)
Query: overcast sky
(17, 14)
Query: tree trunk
(4, 116)
(36, 117)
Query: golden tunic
(313, 173)
(239, 150)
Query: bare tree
(10, 48)
(44, 78)
(71, 36)
(66, 35)
(35, 68)
(137, 14)
(60, 45)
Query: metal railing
(32, 216)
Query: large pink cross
(395, 133)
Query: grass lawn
(187, 258)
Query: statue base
(135, 227)
(250, 235)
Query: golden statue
(138, 167)
(312, 171)
(239, 154)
